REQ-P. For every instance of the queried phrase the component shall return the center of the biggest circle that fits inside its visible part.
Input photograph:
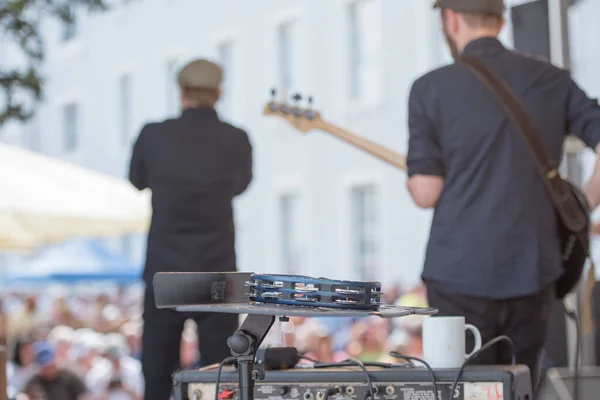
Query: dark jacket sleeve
(583, 116)
(245, 164)
(424, 151)
(138, 168)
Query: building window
(365, 50)
(290, 220)
(365, 231)
(69, 29)
(33, 134)
(225, 59)
(125, 99)
(173, 92)
(286, 32)
(70, 121)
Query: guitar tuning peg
(273, 104)
(310, 114)
(297, 110)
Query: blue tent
(75, 261)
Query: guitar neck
(383, 153)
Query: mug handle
(477, 334)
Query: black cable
(320, 364)
(228, 360)
(429, 369)
(349, 362)
(364, 368)
(483, 348)
(309, 359)
(573, 315)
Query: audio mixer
(341, 383)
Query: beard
(451, 45)
(451, 42)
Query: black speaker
(559, 384)
(531, 28)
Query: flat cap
(484, 6)
(200, 74)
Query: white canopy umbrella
(45, 200)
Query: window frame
(232, 110)
(65, 146)
(291, 184)
(346, 256)
(126, 133)
(301, 72)
(362, 102)
(226, 105)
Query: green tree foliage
(20, 24)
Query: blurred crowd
(80, 347)
(89, 347)
(368, 339)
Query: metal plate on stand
(226, 292)
(384, 311)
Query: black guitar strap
(565, 202)
(570, 212)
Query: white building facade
(316, 206)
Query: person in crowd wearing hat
(85, 352)
(493, 254)
(195, 165)
(121, 377)
(52, 382)
(62, 338)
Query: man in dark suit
(195, 165)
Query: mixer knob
(283, 390)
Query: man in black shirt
(195, 165)
(493, 254)
(53, 382)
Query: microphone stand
(243, 345)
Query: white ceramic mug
(444, 341)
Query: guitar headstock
(302, 118)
